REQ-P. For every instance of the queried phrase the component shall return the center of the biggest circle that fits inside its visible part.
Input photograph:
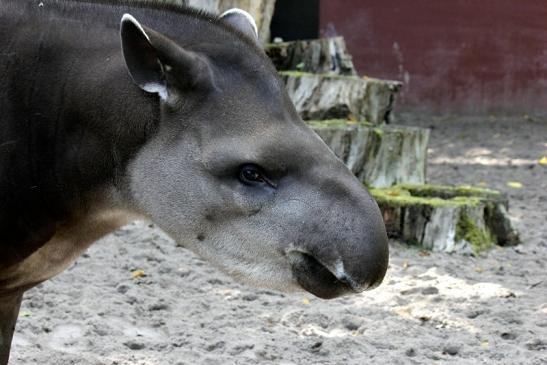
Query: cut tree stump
(380, 156)
(449, 219)
(318, 56)
(320, 97)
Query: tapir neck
(72, 120)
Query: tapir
(112, 111)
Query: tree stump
(380, 156)
(449, 219)
(321, 97)
(318, 56)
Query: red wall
(455, 56)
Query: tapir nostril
(351, 283)
(319, 279)
(307, 264)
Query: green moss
(400, 197)
(379, 132)
(434, 195)
(270, 45)
(468, 200)
(449, 192)
(293, 73)
(391, 85)
(335, 123)
(480, 239)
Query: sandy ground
(436, 308)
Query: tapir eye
(251, 174)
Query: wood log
(319, 56)
(320, 97)
(461, 219)
(380, 156)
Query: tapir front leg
(9, 310)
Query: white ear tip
(248, 16)
(130, 18)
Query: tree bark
(380, 156)
(448, 219)
(320, 97)
(318, 56)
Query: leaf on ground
(485, 344)
(532, 286)
(479, 269)
(305, 301)
(514, 184)
(138, 274)
(25, 314)
(543, 161)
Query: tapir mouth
(320, 279)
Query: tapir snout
(329, 276)
(344, 249)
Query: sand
(436, 308)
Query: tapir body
(115, 111)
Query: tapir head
(233, 174)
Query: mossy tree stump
(321, 97)
(448, 219)
(380, 156)
(318, 56)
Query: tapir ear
(141, 57)
(242, 21)
(159, 65)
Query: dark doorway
(294, 20)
